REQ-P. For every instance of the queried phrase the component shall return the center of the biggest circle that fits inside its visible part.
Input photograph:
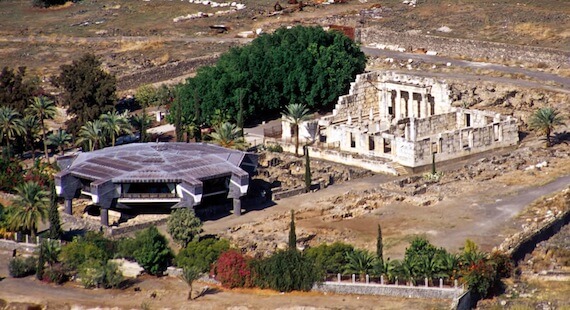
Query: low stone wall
(388, 290)
(463, 47)
(20, 246)
(118, 231)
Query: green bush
(98, 274)
(201, 254)
(184, 226)
(22, 267)
(80, 250)
(330, 258)
(286, 271)
(150, 250)
(57, 274)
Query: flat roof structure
(178, 173)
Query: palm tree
(228, 135)
(189, 275)
(11, 125)
(448, 264)
(115, 124)
(92, 134)
(29, 208)
(31, 125)
(60, 140)
(141, 122)
(295, 114)
(44, 109)
(544, 120)
(189, 126)
(359, 262)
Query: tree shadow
(561, 138)
(207, 291)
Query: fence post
(367, 279)
(396, 281)
(455, 283)
(382, 279)
(440, 283)
(353, 278)
(27, 238)
(338, 277)
(426, 282)
(37, 239)
(16, 236)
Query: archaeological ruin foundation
(391, 119)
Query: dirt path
(295, 202)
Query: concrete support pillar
(237, 206)
(104, 217)
(69, 206)
(412, 129)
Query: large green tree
(32, 133)
(29, 208)
(544, 121)
(88, 91)
(184, 226)
(302, 64)
(44, 109)
(16, 88)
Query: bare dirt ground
(476, 199)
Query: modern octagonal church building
(175, 175)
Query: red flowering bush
(232, 269)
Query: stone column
(104, 217)
(398, 105)
(424, 109)
(237, 206)
(69, 206)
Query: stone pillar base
(68, 206)
(237, 206)
(104, 217)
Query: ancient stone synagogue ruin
(392, 119)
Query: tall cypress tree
(239, 118)
(292, 234)
(53, 215)
(198, 118)
(307, 169)
(380, 245)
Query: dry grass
(536, 31)
(128, 46)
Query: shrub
(81, 250)
(22, 267)
(275, 148)
(330, 258)
(286, 271)
(12, 173)
(184, 226)
(151, 251)
(201, 254)
(57, 274)
(232, 269)
(480, 276)
(98, 274)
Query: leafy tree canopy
(184, 226)
(16, 89)
(88, 91)
(299, 65)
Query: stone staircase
(401, 170)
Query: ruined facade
(404, 119)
